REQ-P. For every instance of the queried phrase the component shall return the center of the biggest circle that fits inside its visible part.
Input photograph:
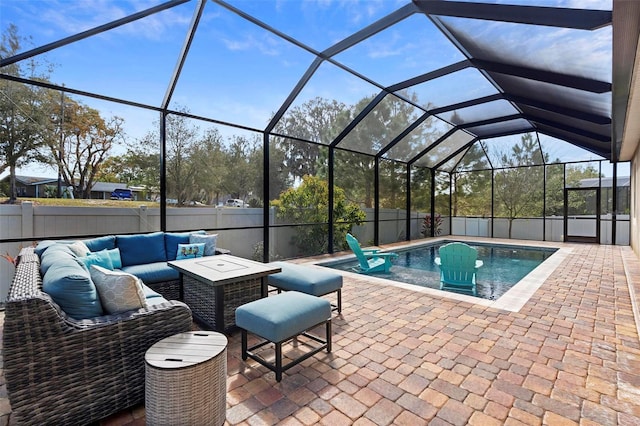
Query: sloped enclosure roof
(461, 71)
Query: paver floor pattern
(570, 356)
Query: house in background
(43, 187)
(32, 186)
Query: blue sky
(236, 71)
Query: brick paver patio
(570, 356)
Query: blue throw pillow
(114, 254)
(208, 240)
(172, 239)
(141, 248)
(189, 251)
(99, 258)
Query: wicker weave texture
(60, 370)
(195, 395)
(170, 290)
(204, 303)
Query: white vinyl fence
(30, 222)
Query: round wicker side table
(186, 380)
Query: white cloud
(74, 17)
(267, 45)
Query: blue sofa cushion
(153, 272)
(305, 279)
(54, 254)
(172, 239)
(42, 246)
(277, 318)
(141, 248)
(107, 242)
(150, 293)
(69, 285)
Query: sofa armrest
(222, 251)
(66, 371)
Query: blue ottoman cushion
(305, 279)
(283, 316)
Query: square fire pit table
(214, 286)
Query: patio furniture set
(78, 358)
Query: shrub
(308, 204)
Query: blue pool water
(504, 266)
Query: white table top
(223, 269)
(186, 349)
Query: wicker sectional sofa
(61, 370)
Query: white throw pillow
(118, 291)
(208, 240)
(79, 248)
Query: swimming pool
(504, 266)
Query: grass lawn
(67, 202)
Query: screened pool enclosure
(412, 119)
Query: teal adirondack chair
(370, 260)
(458, 264)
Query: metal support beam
(379, 97)
(404, 134)
(331, 159)
(370, 30)
(376, 197)
(182, 57)
(441, 72)
(581, 19)
(266, 214)
(408, 204)
(458, 151)
(88, 33)
(433, 202)
(430, 147)
(566, 80)
(163, 171)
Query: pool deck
(570, 355)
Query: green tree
(137, 167)
(181, 171)
(471, 194)
(240, 176)
(279, 177)
(308, 204)
(24, 123)
(209, 156)
(86, 143)
(181, 140)
(318, 120)
(555, 186)
(519, 188)
(420, 189)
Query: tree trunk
(13, 194)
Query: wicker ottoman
(305, 279)
(186, 380)
(280, 318)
